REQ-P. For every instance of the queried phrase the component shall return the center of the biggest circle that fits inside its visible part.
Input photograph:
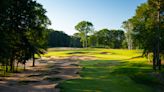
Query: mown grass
(113, 71)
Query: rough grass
(3, 72)
(113, 71)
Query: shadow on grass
(114, 75)
(78, 52)
(88, 52)
(140, 56)
(81, 85)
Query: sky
(65, 14)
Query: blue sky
(65, 14)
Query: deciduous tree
(84, 27)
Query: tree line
(101, 39)
(23, 34)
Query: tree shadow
(78, 52)
(140, 56)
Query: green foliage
(84, 27)
(23, 31)
(127, 25)
(107, 38)
(75, 42)
(61, 39)
(146, 28)
(58, 39)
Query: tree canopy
(147, 26)
(58, 39)
(23, 30)
(84, 27)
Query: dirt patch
(63, 49)
(82, 58)
(104, 53)
(78, 53)
(47, 74)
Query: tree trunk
(158, 38)
(11, 64)
(33, 64)
(24, 62)
(83, 43)
(4, 70)
(86, 41)
(17, 67)
(129, 42)
(6, 67)
(149, 57)
(24, 67)
(154, 59)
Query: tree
(23, 30)
(75, 40)
(147, 27)
(104, 37)
(4, 38)
(108, 38)
(39, 32)
(84, 27)
(118, 38)
(157, 6)
(128, 27)
(93, 40)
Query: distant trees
(148, 29)
(58, 39)
(75, 40)
(61, 39)
(23, 26)
(103, 38)
(84, 27)
(107, 38)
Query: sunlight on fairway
(113, 70)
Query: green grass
(3, 72)
(113, 71)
